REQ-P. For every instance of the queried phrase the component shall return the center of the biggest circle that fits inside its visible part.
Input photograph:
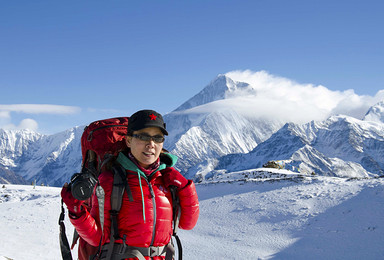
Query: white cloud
(28, 124)
(284, 99)
(355, 105)
(39, 109)
(24, 124)
(35, 109)
(4, 114)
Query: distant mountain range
(210, 135)
(27, 157)
(339, 146)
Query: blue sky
(95, 59)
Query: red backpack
(100, 141)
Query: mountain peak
(375, 113)
(219, 88)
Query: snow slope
(268, 217)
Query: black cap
(146, 118)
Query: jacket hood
(168, 159)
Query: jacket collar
(166, 160)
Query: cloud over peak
(271, 96)
(304, 102)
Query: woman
(144, 221)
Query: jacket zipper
(154, 206)
(154, 209)
(154, 212)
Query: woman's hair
(130, 132)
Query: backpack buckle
(154, 251)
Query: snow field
(29, 222)
(310, 218)
(323, 217)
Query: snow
(292, 217)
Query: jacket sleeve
(87, 228)
(88, 224)
(189, 204)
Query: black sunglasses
(145, 137)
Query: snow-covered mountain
(376, 113)
(207, 127)
(45, 159)
(339, 146)
(220, 88)
(225, 127)
(8, 176)
(212, 132)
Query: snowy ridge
(8, 176)
(46, 159)
(62, 158)
(14, 144)
(376, 113)
(320, 217)
(339, 146)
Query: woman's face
(145, 152)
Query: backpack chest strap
(122, 251)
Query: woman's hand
(172, 177)
(74, 205)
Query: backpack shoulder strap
(176, 219)
(120, 184)
(120, 173)
(64, 244)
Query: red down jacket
(147, 220)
